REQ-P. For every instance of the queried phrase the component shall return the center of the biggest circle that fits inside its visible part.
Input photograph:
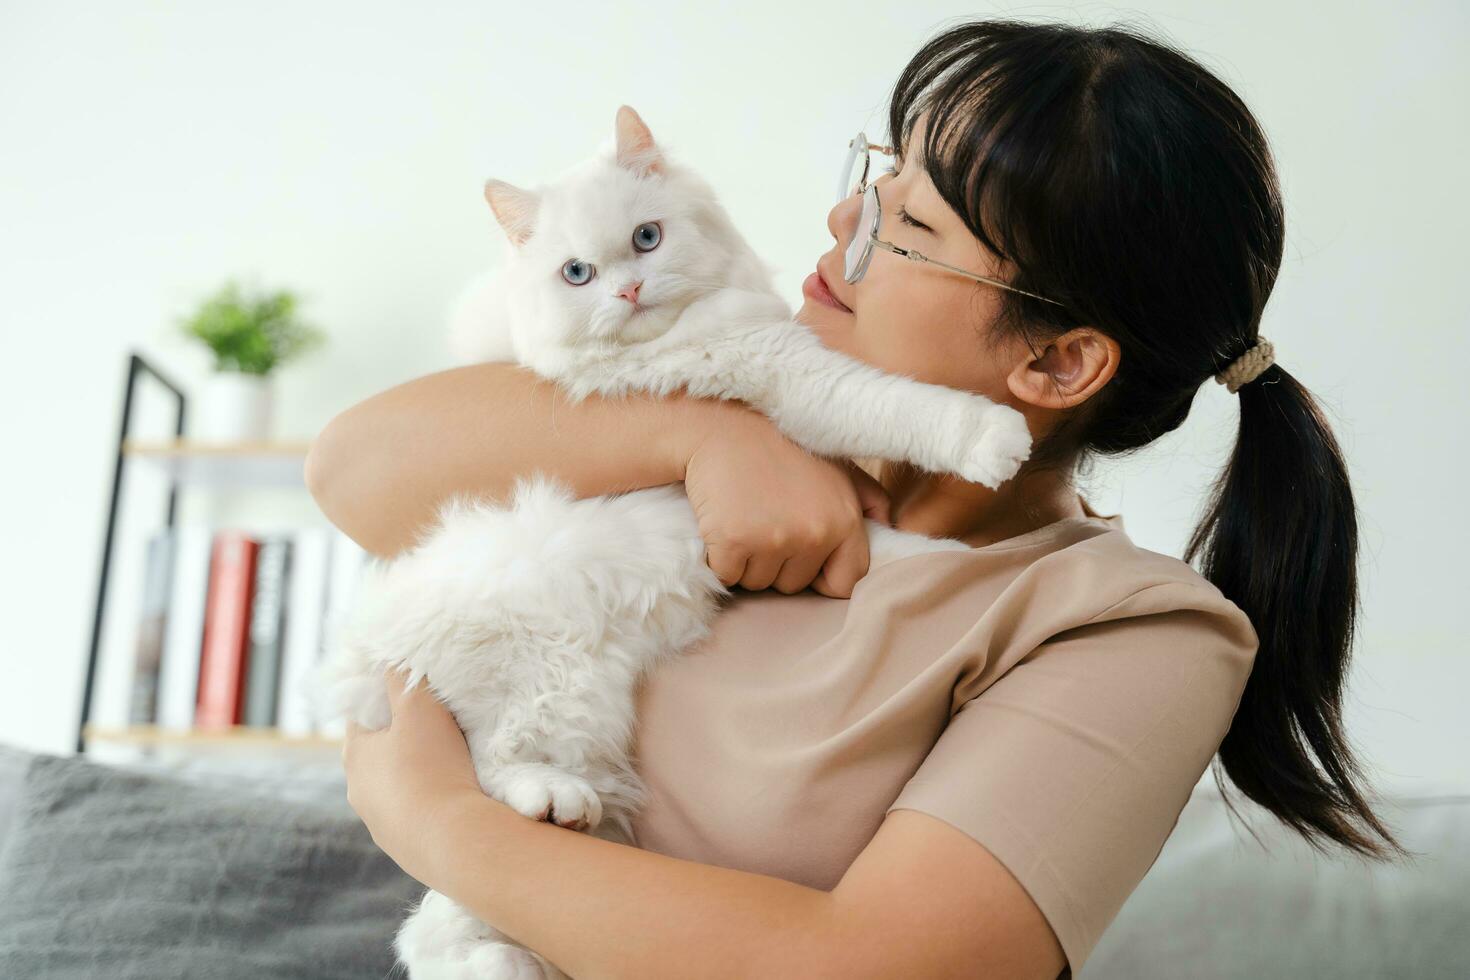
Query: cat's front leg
(741, 344)
(837, 405)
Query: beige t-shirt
(1056, 696)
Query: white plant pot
(234, 407)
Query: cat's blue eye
(647, 236)
(578, 273)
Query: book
(178, 679)
(267, 621)
(306, 598)
(223, 659)
(348, 561)
(148, 652)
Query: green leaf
(252, 332)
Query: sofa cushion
(128, 874)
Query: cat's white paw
(1003, 444)
(550, 794)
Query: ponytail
(1280, 540)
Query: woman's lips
(815, 287)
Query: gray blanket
(119, 874)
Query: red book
(222, 660)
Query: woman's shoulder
(1166, 600)
(1076, 572)
(1132, 566)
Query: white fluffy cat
(535, 618)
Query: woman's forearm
(380, 469)
(598, 909)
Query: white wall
(149, 151)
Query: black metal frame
(136, 366)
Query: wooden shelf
(239, 735)
(238, 464)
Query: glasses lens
(855, 259)
(853, 166)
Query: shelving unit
(184, 464)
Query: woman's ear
(514, 208)
(1072, 369)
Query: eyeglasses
(854, 180)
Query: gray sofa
(222, 869)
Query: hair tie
(1248, 366)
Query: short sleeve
(1073, 766)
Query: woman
(963, 763)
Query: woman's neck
(945, 506)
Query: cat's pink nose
(630, 292)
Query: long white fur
(534, 619)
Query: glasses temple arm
(920, 257)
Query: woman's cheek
(878, 338)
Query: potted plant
(251, 333)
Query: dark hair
(1118, 176)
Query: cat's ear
(514, 208)
(636, 150)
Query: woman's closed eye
(903, 212)
(908, 219)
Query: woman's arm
(922, 900)
(379, 469)
(771, 514)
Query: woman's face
(907, 317)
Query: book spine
(348, 561)
(226, 631)
(178, 688)
(267, 617)
(306, 596)
(148, 656)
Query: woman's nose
(842, 219)
(630, 292)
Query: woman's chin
(829, 333)
(815, 315)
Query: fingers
(396, 682)
(418, 708)
(846, 565)
(418, 700)
(872, 497)
(792, 544)
(727, 562)
(799, 570)
(789, 568)
(761, 571)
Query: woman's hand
(403, 779)
(773, 514)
